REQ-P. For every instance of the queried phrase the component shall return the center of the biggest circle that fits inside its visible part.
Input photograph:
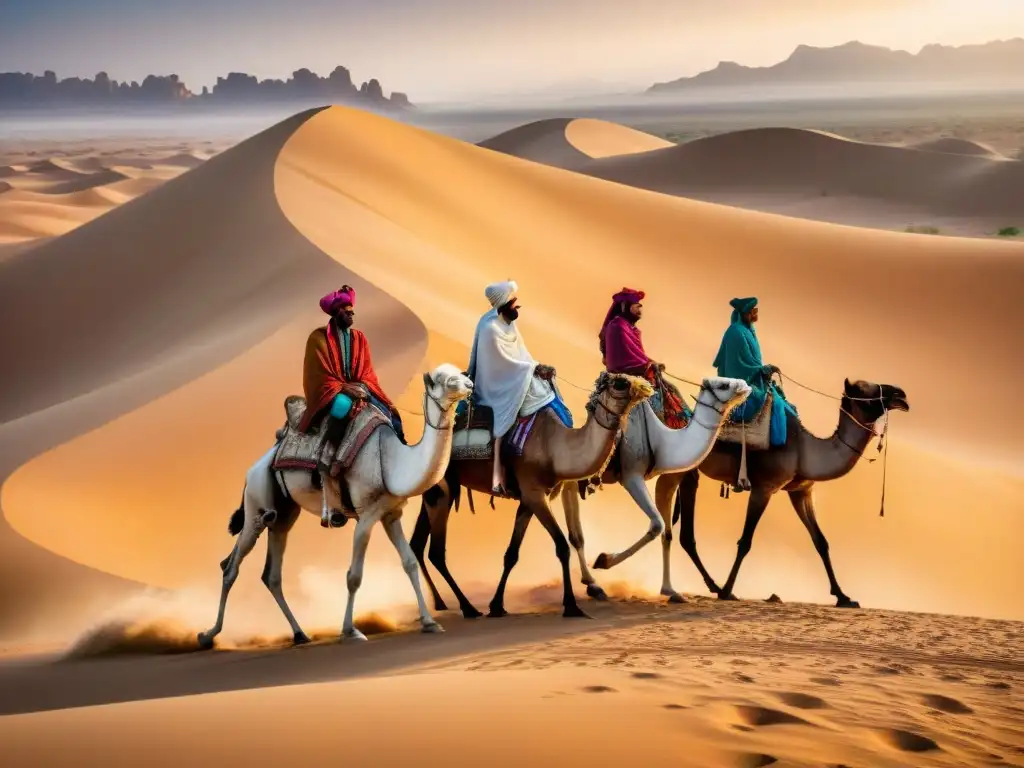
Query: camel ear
(847, 386)
(428, 382)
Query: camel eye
(722, 387)
(619, 385)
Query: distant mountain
(1000, 62)
(25, 90)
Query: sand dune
(52, 197)
(817, 175)
(954, 146)
(599, 138)
(190, 305)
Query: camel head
(446, 385)
(868, 402)
(617, 393)
(723, 394)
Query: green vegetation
(922, 230)
(1008, 232)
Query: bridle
(442, 422)
(616, 423)
(720, 411)
(844, 407)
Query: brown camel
(794, 467)
(553, 454)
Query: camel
(794, 467)
(554, 456)
(384, 474)
(650, 449)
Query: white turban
(500, 294)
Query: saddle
(309, 450)
(473, 433)
(754, 433)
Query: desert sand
(126, 440)
(949, 185)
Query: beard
(344, 321)
(510, 314)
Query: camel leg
(685, 510)
(360, 541)
(438, 558)
(756, 506)
(570, 608)
(803, 503)
(420, 535)
(571, 505)
(523, 516)
(637, 489)
(255, 521)
(663, 494)
(276, 542)
(393, 528)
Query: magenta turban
(335, 300)
(627, 295)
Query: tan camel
(794, 467)
(553, 456)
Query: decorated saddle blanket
(299, 450)
(756, 433)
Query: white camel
(384, 474)
(649, 449)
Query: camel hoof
(432, 628)
(845, 602)
(497, 613)
(353, 634)
(205, 642)
(714, 589)
(575, 612)
(469, 612)
(727, 596)
(602, 562)
(595, 592)
(301, 638)
(675, 597)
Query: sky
(451, 50)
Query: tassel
(727, 491)
(721, 491)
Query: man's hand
(660, 367)
(545, 372)
(771, 370)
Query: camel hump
(294, 410)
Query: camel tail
(237, 521)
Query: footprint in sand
(761, 716)
(833, 681)
(599, 689)
(674, 706)
(646, 675)
(802, 700)
(906, 741)
(755, 760)
(946, 704)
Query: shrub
(922, 230)
(1008, 232)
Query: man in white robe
(506, 378)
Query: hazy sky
(451, 49)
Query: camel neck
(583, 452)
(833, 457)
(409, 470)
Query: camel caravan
(501, 428)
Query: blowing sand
(191, 305)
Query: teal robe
(739, 357)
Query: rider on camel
(505, 376)
(338, 378)
(622, 351)
(739, 357)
